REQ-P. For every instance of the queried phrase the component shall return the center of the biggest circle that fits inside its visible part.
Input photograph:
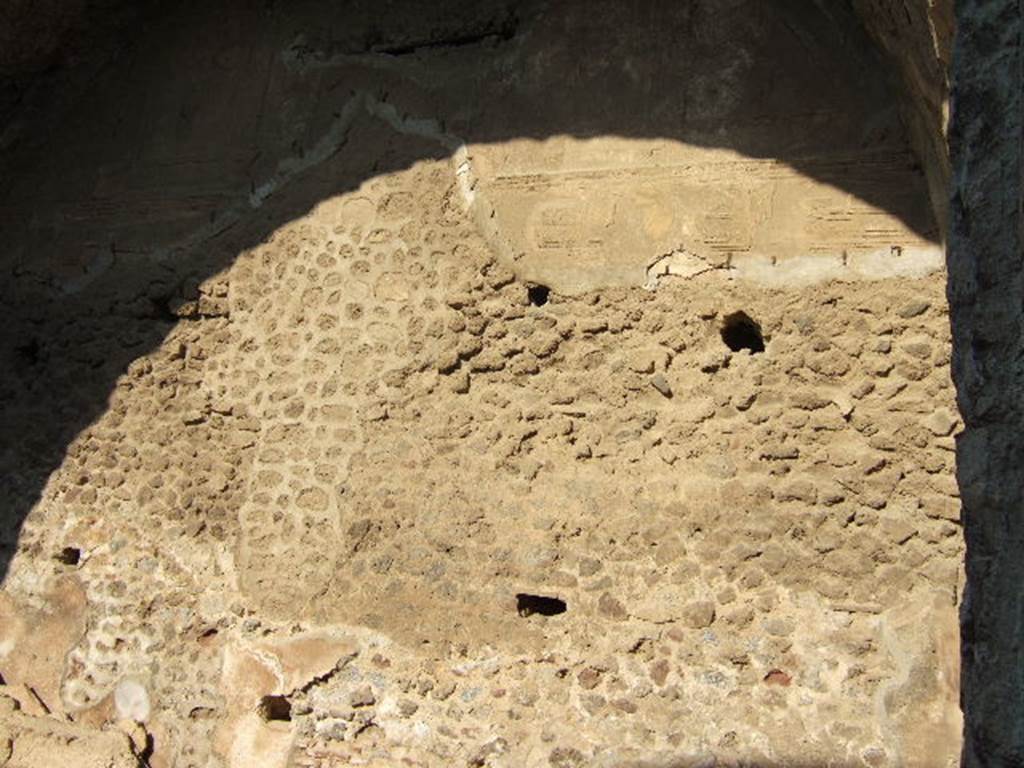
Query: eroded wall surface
(916, 37)
(375, 404)
(986, 272)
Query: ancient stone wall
(986, 283)
(31, 33)
(366, 425)
(384, 407)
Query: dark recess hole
(527, 605)
(276, 708)
(70, 555)
(778, 677)
(501, 30)
(538, 294)
(28, 352)
(207, 635)
(739, 331)
(162, 310)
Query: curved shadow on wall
(128, 186)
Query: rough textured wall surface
(57, 36)
(312, 475)
(986, 291)
(31, 32)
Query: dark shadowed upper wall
(916, 37)
(32, 33)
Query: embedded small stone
(589, 678)
(444, 691)
(362, 697)
(407, 707)
(460, 382)
(778, 627)
(659, 671)
(625, 705)
(919, 348)
(941, 422)
(610, 607)
(131, 701)
(660, 383)
(913, 309)
(566, 757)
(699, 614)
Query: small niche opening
(28, 352)
(527, 605)
(739, 332)
(208, 636)
(275, 708)
(538, 294)
(69, 556)
(778, 677)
